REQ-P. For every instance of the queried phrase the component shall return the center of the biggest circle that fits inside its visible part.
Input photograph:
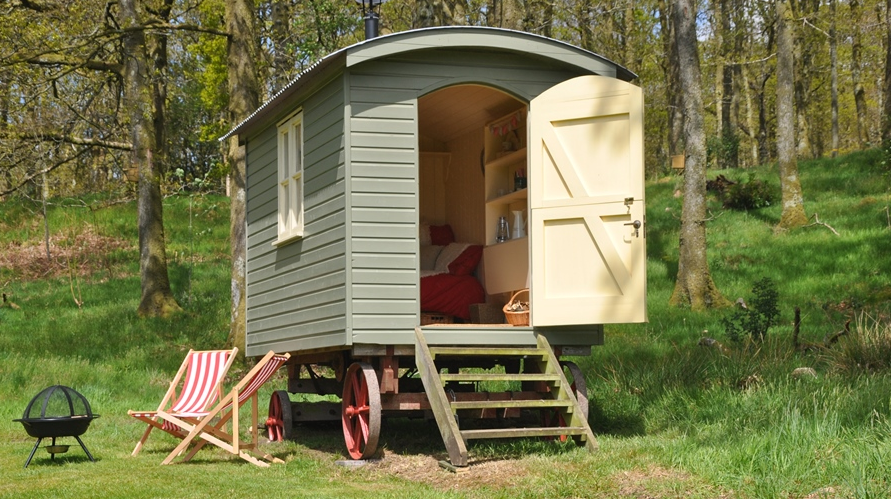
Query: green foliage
(321, 27)
(748, 195)
(723, 150)
(867, 346)
(752, 320)
(886, 156)
(673, 419)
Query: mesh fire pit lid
(57, 401)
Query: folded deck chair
(197, 384)
(210, 427)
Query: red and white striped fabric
(199, 383)
(261, 377)
(201, 386)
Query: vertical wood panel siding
(297, 292)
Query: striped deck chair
(196, 386)
(210, 427)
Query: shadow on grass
(418, 436)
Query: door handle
(636, 224)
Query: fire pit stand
(57, 411)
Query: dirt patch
(660, 483)
(425, 469)
(81, 253)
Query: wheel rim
(361, 411)
(278, 424)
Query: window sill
(285, 239)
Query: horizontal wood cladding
(299, 289)
(297, 337)
(383, 213)
(354, 277)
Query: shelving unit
(504, 155)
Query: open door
(586, 200)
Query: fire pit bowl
(57, 411)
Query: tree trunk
(833, 69)
(857, 78)
(583, 23)
(804, 49)
(886, 121)
(670, 68)
(793, 205)
(720, 66)
(282, 59)
(157, 298)
(694, 286)
(244, 98)
(728, 157)
(5, 176)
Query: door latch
(636, 224)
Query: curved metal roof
(469, 37)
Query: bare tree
(140, 103)
(833, 67)
(670, 68)
(244, 98)
(886, 124)
(793, 204)
(694, 285)
(856, 76)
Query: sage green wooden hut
(388, 166)
(433, 127)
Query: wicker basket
(520, 317)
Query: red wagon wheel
(280, 423)
(361, 410)
(579, 388)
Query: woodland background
(127, 99)
(61, 92)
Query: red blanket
(451, 294)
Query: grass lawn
(673, 418)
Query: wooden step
(488, 352)
(523, 432)
(445, 406)
(469, 377)
(512, 404)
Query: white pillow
(448, 255)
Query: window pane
(298, 148)
(283, 208)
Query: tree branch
(41, 172)
(68, 139)
(818, 222)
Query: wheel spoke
(279, 423)
(361, 411)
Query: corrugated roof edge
(621, 72)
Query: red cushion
(441, 235)
(467, 261)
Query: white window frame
(290, 179)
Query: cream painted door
(586, 188)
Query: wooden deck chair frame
(211, 427)
(178, 390)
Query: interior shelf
(512, 157)
(508, 198)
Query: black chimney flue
(372, 22)
(372, 19)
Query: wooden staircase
(552, 393)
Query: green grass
(673, 419)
